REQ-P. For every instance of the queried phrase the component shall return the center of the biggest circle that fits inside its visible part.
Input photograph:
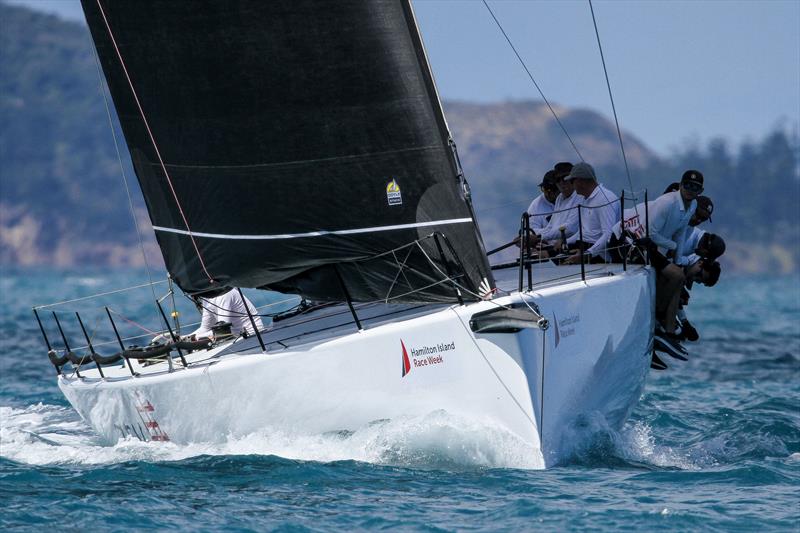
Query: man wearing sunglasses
(669, 230)
(542, 207)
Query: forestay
(278, 142)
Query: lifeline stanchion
(347, 297)
(447, 267)
(46, 340)
(66, 344)
(580, 248)
(172, 336)
(89, 344)
(647, 224)
(528, 246)
(252, 321)
(622, 250)
(522, 243)
(119, 340)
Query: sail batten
(292, 136)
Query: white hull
(596, 357)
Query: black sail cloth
(279, 142)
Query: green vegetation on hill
(62, 200)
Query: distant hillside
(62, 201)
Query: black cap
(692, 175)
(711, 245)
(562, 169)
(549, 179)
(705, 203)
(713, 270)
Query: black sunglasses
(692, 186)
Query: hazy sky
(680, 70)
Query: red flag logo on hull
(406, 361)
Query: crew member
(542, 206)
(565, 216)
(669, 217)
(229, 306)
(600, 210)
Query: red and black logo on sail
(406, 361)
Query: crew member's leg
(668, 293)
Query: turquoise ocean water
(714, 444)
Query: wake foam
(46, 435)
(594, 443)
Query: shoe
(671, 338)
(668, 343)
(656, 363)
(689, 332)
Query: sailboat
(301, 147)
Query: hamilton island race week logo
(406, 361)
(393, 195)
(565, 327)
(425, 355)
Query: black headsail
(278, 142)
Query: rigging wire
(122, 171)
(522, 62)
(563, 128)
(608, 84)
(153, 141)
(611, 97)
(98, 295)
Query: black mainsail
(289, 145)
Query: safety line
(314, 233)
(611, 97)
(153, 141)
(116, 291)
(122, 171)
(533, 80)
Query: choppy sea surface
(714, 443)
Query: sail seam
(314, 233)
(152, 139)
(428, 148)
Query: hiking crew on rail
(678, 250)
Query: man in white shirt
(700, 265)
(599, 213)
(694, 234)
(669, 223)
(564, 215)
(541, 208)
(227, 307)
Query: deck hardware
(119, 340)
(89, 344)
(522, 242)
(252, 320)
(646, 225)
(581, 247)
(529, 265)
(347, 297)
(66, 344)
(172, 335)
(447, 267)
(46, 340)
(623, 249)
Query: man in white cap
(599, 212)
